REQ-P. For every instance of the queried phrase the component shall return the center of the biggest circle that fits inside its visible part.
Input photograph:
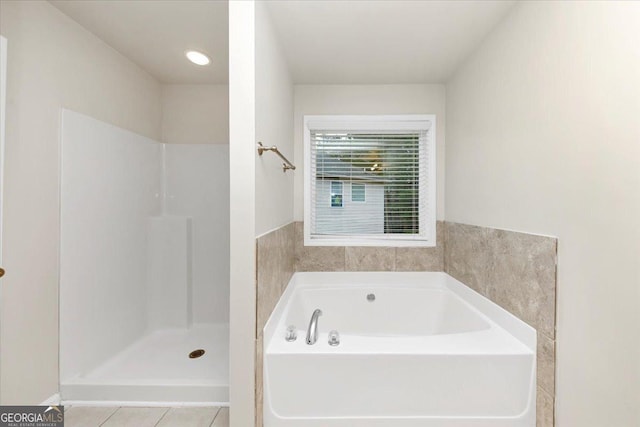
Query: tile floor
(88, 416)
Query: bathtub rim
(516, 327)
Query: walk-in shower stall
(144, 267)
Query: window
(358, 192)
(336, 194)
(380, 172)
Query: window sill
(351, 241)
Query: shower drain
(196, 353)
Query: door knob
(1, 271)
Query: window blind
(383, 183)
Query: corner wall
(196, 186)
(195, 128)
(542, 136)
(274, 121)
(52, 63)
(195, 113)
(274, 187)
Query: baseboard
(129, 403)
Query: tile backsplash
(368, 258)
(275, 266)
(515, 270)
(275, 261)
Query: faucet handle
(292, 333)
(334, 338)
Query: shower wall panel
(110, 186)
(169, 260)
(197, 186)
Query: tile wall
(361, 258)
(275, 266)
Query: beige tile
(222, 420)
(515, 270)
(320, 258)
(192, 417)
(135, 417)
(316, 258)
(87, 416)
(275, 266)
(268, 274)
(289, 256)
(546, 357)
(423, 259)
(466, 254)
(370, 259)
(521, 276)
(544, 409)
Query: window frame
(388, 123)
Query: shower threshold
(157, 368)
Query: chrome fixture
(286, 165)
(292, 333)
(334, 338)
(312, 332)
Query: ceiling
(368, 42)
(340, 42)
(155, 34)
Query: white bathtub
(429, 351)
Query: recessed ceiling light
(197, 58)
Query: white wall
(543, 135)
(197, 186)
(53, 62)
(242, 156)
(260, 109)
(195, 114)
(3, 93)
(367, 99)
(274, 122)
(110, 186)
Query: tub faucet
(312, 332)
